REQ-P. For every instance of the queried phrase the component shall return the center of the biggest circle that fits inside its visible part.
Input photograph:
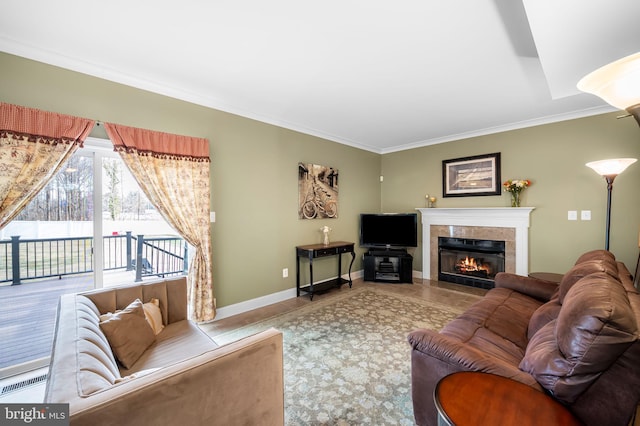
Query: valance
(43, 126)
(157, 144)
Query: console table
(313, 251)
(478, 399)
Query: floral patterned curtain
(173, 172)
(34, 145)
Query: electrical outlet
(572, 215)
(285, 272)
(585, 215)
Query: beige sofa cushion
(128, 332)
(86, 344)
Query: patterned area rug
(347, 360)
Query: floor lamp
(618, 83)
(609, 169)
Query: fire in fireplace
(471, 266)
(469, 261)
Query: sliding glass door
(90, 227)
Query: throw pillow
(129, 334)
(153, 315)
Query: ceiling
(378, 75)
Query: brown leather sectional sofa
(577, 341)
(182, 378)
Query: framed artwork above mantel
(471, 176)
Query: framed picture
(471, 176)
(317, 191)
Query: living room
(254, 183)
(246, 154)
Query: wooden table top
(476, 399)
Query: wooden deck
(28, 311)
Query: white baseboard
(270, 299)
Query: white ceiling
(378, 75)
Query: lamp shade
(618, 83)
(614, 166)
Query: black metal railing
(30, 259)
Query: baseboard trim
(269, 299)
(24, 367)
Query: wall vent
(22, 384)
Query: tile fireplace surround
(509, 224)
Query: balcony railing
(31, 259)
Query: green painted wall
(553, 156)
(254, 171)
(254, 177)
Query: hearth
(471, 262)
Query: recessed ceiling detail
(376, 75)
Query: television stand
(388, 265)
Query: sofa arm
(435, 356)
(538, 289)
(238, 383)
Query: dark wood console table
(313, 251)
(477, 399)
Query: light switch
(572, 215)
(585, 214)
(212, 216)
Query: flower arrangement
(515, 187)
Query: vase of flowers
(515, 187)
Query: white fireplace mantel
(517, 218)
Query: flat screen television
(389, 230)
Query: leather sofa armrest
(538, 289)
(238, 383)
(461, 356)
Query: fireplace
(472, 262)
(509, 224)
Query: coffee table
(477, 399)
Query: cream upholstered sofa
(181, 378)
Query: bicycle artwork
(317, 191)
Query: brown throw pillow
(128, 333)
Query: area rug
(347, 360)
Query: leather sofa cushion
(542, 316)
(584, 268)
(496, 325)
(594, 327)
(596, 255)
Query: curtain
(173, 172)
(34, 145)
